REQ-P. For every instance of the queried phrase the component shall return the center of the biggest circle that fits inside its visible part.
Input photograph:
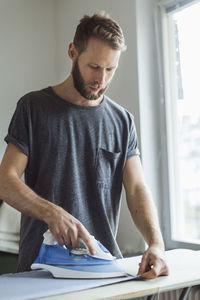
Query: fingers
(60, 240)
(152, 266)
(86, 237)
(142, 266)
(145, 265)
(151, 272)
(73, 235)
(67, 230)
(56, 233)
(155, 271)
(68, 236)
(74, 238)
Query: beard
(80, 84)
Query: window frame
(169, 161)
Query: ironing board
(184, 273)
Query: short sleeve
(18, 129)
(133, 141)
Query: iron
(64, 262)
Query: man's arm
(66, 229)
(145, 217)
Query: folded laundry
(9, 228)
(12, 237)
(9, 246)
(9, 219)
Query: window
(182, 66)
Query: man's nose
(101, 77)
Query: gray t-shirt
(76, 155)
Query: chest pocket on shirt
(108, 171)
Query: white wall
(27, 53)
(34, 38)
(149, 97)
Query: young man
(77, 147)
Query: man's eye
(94, 67)
(112, 69)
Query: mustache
(95, 85)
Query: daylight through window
(185, 127)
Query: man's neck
(67, 91)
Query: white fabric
(9, 228)
(9, 246)
(9, 237)
(39, 284)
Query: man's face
(93, 70)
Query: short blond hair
(101, 26)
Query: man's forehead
(98, 52)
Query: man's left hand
(153, 263)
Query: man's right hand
(67, 230)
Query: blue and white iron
(76, 263)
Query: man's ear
(72, 51)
